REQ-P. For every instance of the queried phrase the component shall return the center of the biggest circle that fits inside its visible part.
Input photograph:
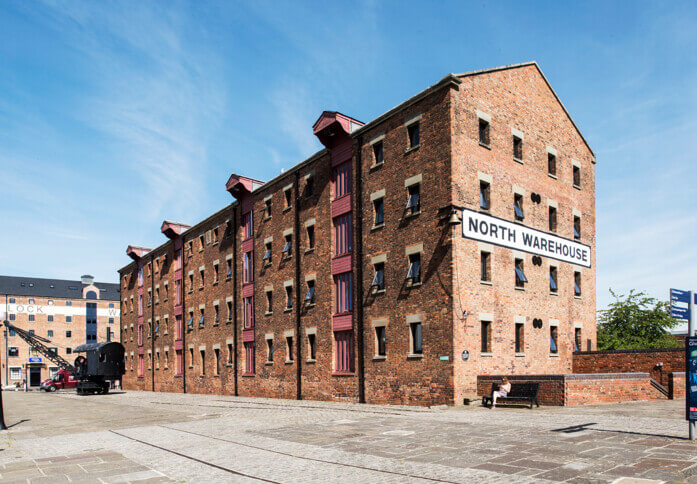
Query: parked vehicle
(61, 379)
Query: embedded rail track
(271, 451)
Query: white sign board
(54, 310)
(497, 231)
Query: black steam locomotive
(102, 363)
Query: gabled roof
(527, 64)
(57, 288)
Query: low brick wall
(582, 389)
(676, 384)
(629, 361)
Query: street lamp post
(2, 408)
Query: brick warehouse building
(68, 313)
(451, 237)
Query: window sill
(520, 288)
(412, 148)
(375, 166)
(577, 297)
(248, 375)
(552, 176)
(553, 293)
(267, 265)
(216, 324)
(518, 160)
(486, 211)
(215, 283)
(228, 321)
(289, 362)
(413, 214)
(310, 305)
(164, 300)
(310, 361)
(379, 291)
(268, 363)
(288, 310)
(520, 355)
(189, 291)
(266, 219)
(215, 243)
(484, 145)
(343, 373)
(486, 283)
(486, 355)
(310, 250)
(287, 257)
(415, 356)
(577, 187)
(377, 227)
(228, 278)
(554, 355)
(268, 313)
(200, 288)
(414, 284)
(287, 209)
(379, 357)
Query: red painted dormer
(172, 230)
(333, 127)
(136, 253)
(241, 186)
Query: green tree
(636, 321)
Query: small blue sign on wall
(34, 360)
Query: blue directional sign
(680, 304)
(34, 360)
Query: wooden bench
(519, 391)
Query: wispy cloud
(156, 93)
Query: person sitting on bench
(503, 390)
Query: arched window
(91, 295)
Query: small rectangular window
(267, 208)
(552, 219)
(378, 153)
(311, 346)
(13, 351)
(378, 282)
(202, 319)
(379, 211)
(416, 339)
(520, 278)
(309, 186)
(518, 207)
(288, 247)
(577, 176)
(552, 164)
(202, 272)
(50, 333)
(577, 283)
(289, 348)
(68, 319)
(486, 336)
(517, 148)
(380, 337)
(310, 237)
(577, 339)
(68, 351)
(288, 194)
(414, 273)
(203, 361)
(50, 318)
(553, 347)
(414, 199)
(577, 228)
(485, 266)
(228, 275)
(268, 254)
(289, 297)
(269, 301)
(31, 317)
(230, 354)
(310, 294)
(483, 132)
(229, 310)
(553, 286)
(414, 134)
(520, 338)
(269, 349)
(484, 195)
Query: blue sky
(115, 116)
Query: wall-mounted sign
(444, 358)
(34, 360)
(497, 231)
(691, 377)
(465, 355)
(54, 310)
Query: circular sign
(465, 355)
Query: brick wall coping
(569, 377)
(678, 374)
(619, 352)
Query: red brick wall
(676, 384)
(624, 361)
(582, 389)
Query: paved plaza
(148, 437)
